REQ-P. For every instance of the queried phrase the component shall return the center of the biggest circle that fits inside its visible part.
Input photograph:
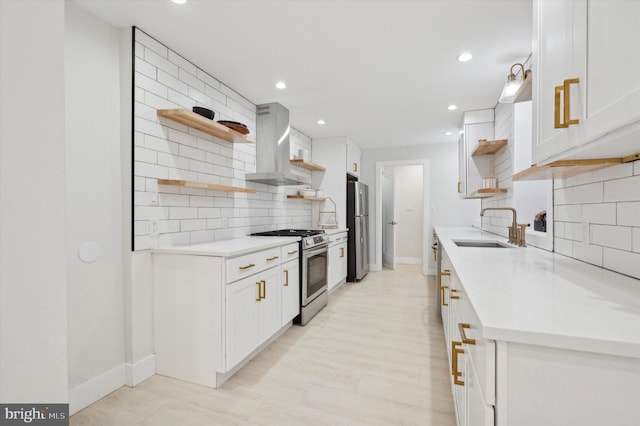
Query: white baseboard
(98, 387)
(140, 371)
(409, 260)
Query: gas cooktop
(290, 233)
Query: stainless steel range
(313, 270)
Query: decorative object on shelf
(205, 112)
(540, 221)
(327, 219)
(216, 187)
(513, 88)
(234, 125)
(210, 127)
(490, 182)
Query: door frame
(385, 172)
(426, 217)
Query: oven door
(314, 273)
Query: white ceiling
(379, 71)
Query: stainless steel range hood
(272, 148)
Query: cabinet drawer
(247, 265)
(289, 252)
(337, 238)
(482, 352)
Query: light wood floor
(374, 356)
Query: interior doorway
(402, 198)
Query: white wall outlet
(153, 227)
(154, 197)
(225, 223)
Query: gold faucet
(516, 232)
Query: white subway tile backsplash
(626, 189)
(161, 62)
(590, 193)
(629, 214)
(138, 50)
(625, 262)
(183, 213)
(588, 253)
(568, 213)
(167, 149)
(574, 231)
(635, 243)
(172, 82)
(618, 237)
(182, 62)
(604, 213)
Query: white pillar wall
(33, 291)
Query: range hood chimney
(272, 147)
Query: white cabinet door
(613, 86)
(479, 413)
(559, 49)
(342, 262)
(270, 306)
(290, 291)
(353, 159)
(333, 266)
(241, 319)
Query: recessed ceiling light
(448, 133)
(464, 57)
(281, 85)
(321, 122)
(179, 1)
(452, 107)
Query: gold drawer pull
(452, 295)
(292, 252)
(269, 259)
(455, 351)
(251, 265)
(463, 336)
(459, 187)
(565, 90)
(286, 278)
(341, 251)
(338, 239)
(355, 167)
(259, 298)
(446, 272)
(264, 290)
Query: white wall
(33, 290)
(408, 201)
(446, 208)
(93, 205)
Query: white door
(388, 219)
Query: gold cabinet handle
(269, 259)
(286, 278)
(341, 251)
(446, 272)
(459, 187)
(455, 351)
(565, 91)
(242, 268)
(463, 336)
(264, 290)
(355, 167)
(338, 239)
(292, 252)
(452, 295)
(258, 298)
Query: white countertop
(229, 248)
(533, 296)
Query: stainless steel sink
(482, 243)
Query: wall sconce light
(512, 88)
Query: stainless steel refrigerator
(358, 224)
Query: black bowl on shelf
(205, 112)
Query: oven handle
(315, 250)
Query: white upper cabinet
(354, 155)
(585, 94)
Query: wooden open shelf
(563, 169)
(486, 193)
(304, 197)
(488, 147)
(308, 165)
(191, 184)
(191, 119)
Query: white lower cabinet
(337, 263)
(253, 314)
(211, 314)
(506, 383)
